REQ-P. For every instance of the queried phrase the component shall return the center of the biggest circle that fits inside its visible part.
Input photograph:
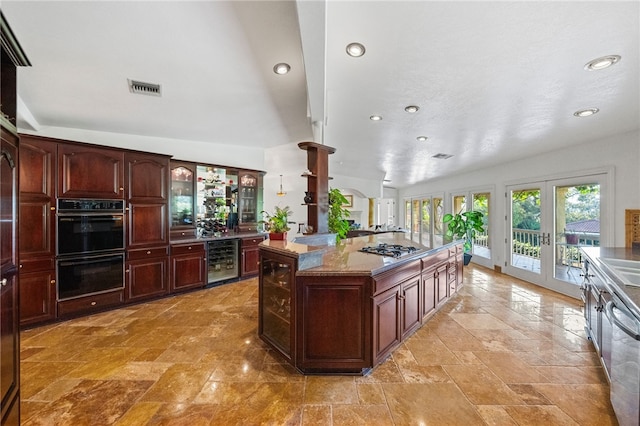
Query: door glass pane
(577, 224)
(438, 225)
(459, 204)
(481, 243)
(426, 223)
(407, 218)
(525, 229)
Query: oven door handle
(86, 260)
(608, 309)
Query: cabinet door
(188, 270)
(429, 291)
(250, 256)
(147, 225)
(411, 309)
(147, 177)
(182, 196)
(88, 172)
(249, 189)
(37, 199)
(9, 309)
(386, 323)
(146, 278)
(37, 297)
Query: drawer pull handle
(148, 251)
(94, 303)
(190, 247)
(3, 282)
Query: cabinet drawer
(35, 265)
(435, 259)
(251, 242)
(389, 279)
(177, 234)
(187, 248)
(147, 253)
(90, 303)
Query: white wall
(204, 152)
(621, 153)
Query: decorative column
(317, 185)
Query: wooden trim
(631, 227)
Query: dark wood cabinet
(410, 292)
(90, 172)
(37, 297)
(9, 308)
(37, 230)
(90, 304)
(429, 292)
(188, 266)
(250, 256)
(386, 323)
(182, 203)
(11, 57)
(249, 200)
(147, 195)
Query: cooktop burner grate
(392, 250)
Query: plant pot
(277, 235)
(466, 259)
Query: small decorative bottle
(308, 198)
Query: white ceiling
(495, 81)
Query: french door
(547, 224)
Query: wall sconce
(281, 193)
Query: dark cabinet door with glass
(249, 200)
(182, 200)
(277, 301)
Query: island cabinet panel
(411, 307)
(333, 324)
(429, 292)
(386, 323)
(188, 266)
(90, 172)
(442, 285)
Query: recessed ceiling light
(586, 112)
(602, 63)
(375, 118)
(281, 68)
(422, 138)
(411, 109)
(355, 49)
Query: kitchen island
(611, 293)
(333, 309)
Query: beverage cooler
(223, 260)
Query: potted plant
(337, 214)
(277, 223)
(464, 225)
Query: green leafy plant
(278, 221)
(337, 214)
(464, 225)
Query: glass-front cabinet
(208, 200)
(182, 199)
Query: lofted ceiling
(494, 81)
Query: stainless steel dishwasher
(625, 361)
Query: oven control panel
(82, 205)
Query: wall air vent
(442, 156)
(142, 88)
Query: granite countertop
(223, 236)
(630, 294)
(344, 257)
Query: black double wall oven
(90, 247)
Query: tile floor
(501, 352)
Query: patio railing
(526, 242)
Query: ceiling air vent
(442, 156)
(142, 88)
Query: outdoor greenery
(278, 221)
(337, 214)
